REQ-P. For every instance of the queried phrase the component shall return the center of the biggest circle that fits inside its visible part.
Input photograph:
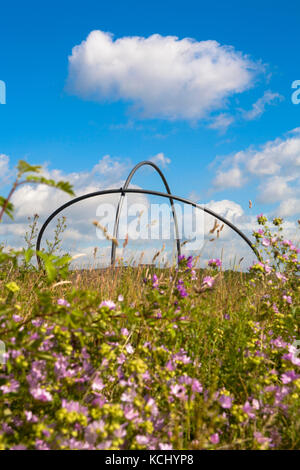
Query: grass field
(147, 358)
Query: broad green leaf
(24, 167)
(63, 185)
(9, 208)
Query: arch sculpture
(126, 190)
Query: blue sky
(47, 119)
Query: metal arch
(140, 191)
(119, 208)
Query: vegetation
(145, 358)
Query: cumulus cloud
(274, 169)
(259, 106)
(161, 76)
(161, 160)
(232, 178)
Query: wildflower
(63, 303)
(154, 281)
(262, 439)
(196, 386)
(130, 413)
(208, 281)
(181, 288)
(41, 394)
(287, 298)
(178, 391)
(261, 219)
(189, 263)
(163, 446)
(97, 385)
(120, 298)
(225, 401)
(289, 376)
(108, 303)
(41, 445)
(281, 277)
(266, 242)
(292, 355)
(124, 332)
(71, 406)
(11, 387)
(92, 431)
(129, 348)
(215, 262)
(214, 438)
(142, 440)
(17, 318)
(30, 417)
(248, 409)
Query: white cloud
(274, 169)
(259, 106)
(289, 207)
(221, 122)
(232, 178)
(161, 160)
(161, 76)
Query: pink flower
(17, 318)
(74, 406)
(266, 242)
(225, 401)
(214, 438)
(129, 348)
(108, 303)
(208, 281)
(287, 298)
(97, 385)
(281, 277)
(30, 417)
(247, 408)
(142, 440)
(289, 376)
(41, 394)
(262, 439)
(178, 391)
(63, 302)
(215, 262)
(165, 446)
(11, 387)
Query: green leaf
(63, 185)
(24, 167)
(9, 208)
(28, 254)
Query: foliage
(151, 359)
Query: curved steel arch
(119, 208)
(140, 191)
